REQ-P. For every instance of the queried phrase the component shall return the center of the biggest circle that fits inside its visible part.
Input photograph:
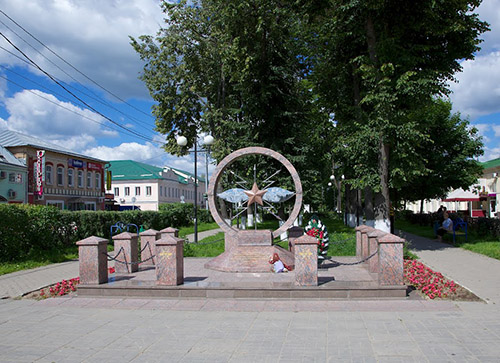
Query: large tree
(375, 63)
(234, 69)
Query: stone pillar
(93, 260)
(390, 260)
(373, 237)
(148, 239)
(306, 261)
(169, 231)
(169, 261)
(361, 238)
(293, 234)
(127, 243)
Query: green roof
(133, 170)
(491, 163)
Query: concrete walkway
(77, 329)
(478, 273)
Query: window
(127, 191)
(117, 192)
(57, 204)
(98, 181)
(12, 177)
(60, 175)
(161, 191)
(148, 190)
(70, 177)
(89, 179)
(137, 190)
(48, 174)
(169, 192)
(80, 178)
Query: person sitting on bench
(447, 226)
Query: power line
(96, 98)
(69, 64)
(71, 93)
(59, 105)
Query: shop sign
(75, 163)
(40, 172)
(94, 166)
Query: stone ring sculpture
(254, 195)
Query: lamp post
(207, 141)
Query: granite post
(126, 250)
(390, 260)
(361, 238)
(294, 233)
(148, 252)
(306, 261)
(169, 231)
(373, 237)
(169, 261)
(93, 260)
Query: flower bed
(433, 284)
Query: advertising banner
(40, 172)
(75, 163)
(94, 166)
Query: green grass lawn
(184, 231)
(38, 259)
(487, 246)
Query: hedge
(28, 228)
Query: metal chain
(115, 257)
(352, 263)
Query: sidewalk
(474, 271)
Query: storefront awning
(460, 195)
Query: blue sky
(92, 36)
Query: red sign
(94, 166)
(40, 171)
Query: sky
(85, 46)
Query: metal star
(255, 195)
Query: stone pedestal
(294, 233)
(126, 250)
(169, 261)
(390, 260)
(148, 239)
(169, 231)
(373, 237)
(306, 261)
(361, 238)
(93, 260)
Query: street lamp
(207, 141)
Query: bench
(459, 228)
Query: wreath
(318, 230)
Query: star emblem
(255, 195)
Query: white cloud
(92, 35)
(489, 11)
(125, 151)
(477, 92)
(54, 120)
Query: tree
(388, 60)
(233, 68)
(447, 156)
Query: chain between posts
(352, 263)
(115, 257)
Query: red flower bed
(61, 288)
(429, 282)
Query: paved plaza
(77, 329)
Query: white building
(145, 186)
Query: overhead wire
(69, 64)
(96, 98)
(71, 93)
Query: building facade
(56, 176)
(135, 184)
(13, 176)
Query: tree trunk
(369, 212)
